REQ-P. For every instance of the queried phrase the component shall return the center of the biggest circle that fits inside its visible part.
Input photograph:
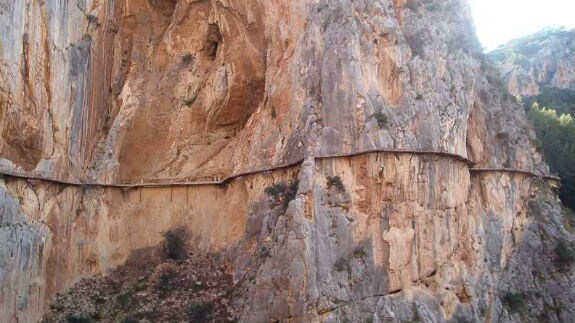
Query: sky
(498, 21)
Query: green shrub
(276, 190)
(187, 59)
(514, 301)
(264, 252)
(381, 119)
(282, 192)
(335, 181)
(556, 133)
(79, 319)
(176, 243)
(189, 102)
(130, 320)
(165, 280)
(565, 254)
(125, 299)
(199, 312)
(92, 19)
(340, 265)
(360, 252)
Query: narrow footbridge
(216, 181)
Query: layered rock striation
(337, 97)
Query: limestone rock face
(146, 91)
(543, 60)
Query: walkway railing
(226, 180)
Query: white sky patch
(499, 21)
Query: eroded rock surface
(138, 91)
(543, 60)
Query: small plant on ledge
(282, 192)
(189, 102)
(335, 181)
(381, 119)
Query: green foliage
(199, 312)
(92, 19)
(528, 46)
(176, 243)
(130, 320)
(381, 119)
(264, 252)
(515, 301)
(561, 100)
(419, 97)
(189, 102)
(125, 299)
(165, 280)
(341, 265)
(360, 252)
(79, 319)
(556, 134)
(187, 59)
(565, 254)
(276, 190)
(335, 181)
(282, 192)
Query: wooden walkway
(170, 183)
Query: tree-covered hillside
(540, 70)
(556, 135)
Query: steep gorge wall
(533, 63)
(402, 223)
(128, 91)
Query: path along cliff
(139, 91)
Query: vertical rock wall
(131, 91)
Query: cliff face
(543, 60)
(540, 69)
(390, 97)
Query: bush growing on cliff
(79, 319)
(199, 312)
(187, 59)
(341, 265)
(515, 301)
(176, 243)
(125, 299)
(189, 102)
(164, 281)
(93, 19)
(276, 190)
(381, 119)
(335, 181)
(565, 254)
(282, 192)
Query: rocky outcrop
(338, 97)
(543, 60)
